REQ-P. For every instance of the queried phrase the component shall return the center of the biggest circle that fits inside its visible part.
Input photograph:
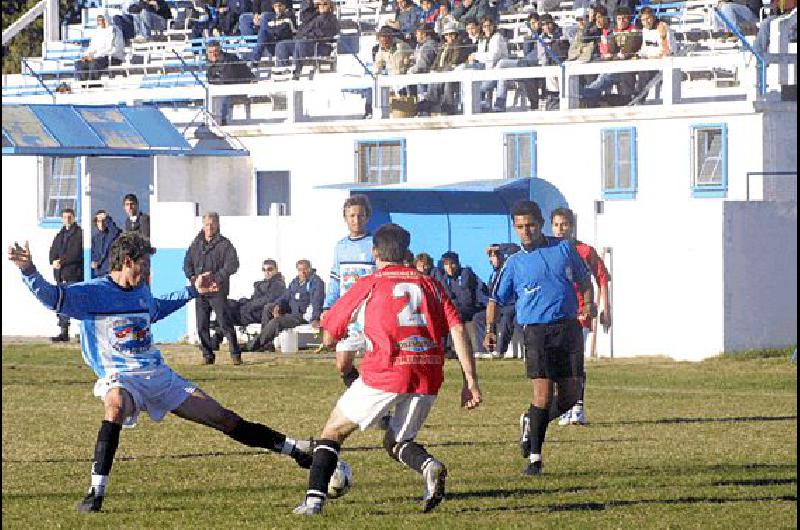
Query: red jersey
(598, 269)
(406, 316)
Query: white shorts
(364, 405)
(354, 341)
(157, 391)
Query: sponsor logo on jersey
(416, 344)
(350, 274)
(131, 334)
(420, 359)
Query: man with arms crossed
(406, 316)
(116, 312)
(541, 275)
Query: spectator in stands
(783, 10)
(552, 48)
(492, 50)
(743, 14)
(314, 38)
(151, 15)
(136, 220)
(229, 14)
(124, 21)
(280, 25)
(393, 55)
(628, 41)
(409, 15)
(105, 232)
(451, 55)
(106, 48)
(224, 69)
(66, 257)
(430, 12)
(422, 61)
(474, 10)
(472, 36)
(497, 252)
(250, 23)
(546, 6)
(445, 18)
(300, 304)
(658, 41)
(212, 252)
(206, 19)
(462, 284)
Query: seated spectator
(313, 39)
(104, 233)
(444, 96)
(106, 48)
(658, 41)
(280, 25)
(224, 69)
(552, 48)
(463, 285)
(422, 60)
(444, 18)
(149, 16)
(301, 303)
(423, 262)
(505, 330)
(246, 311)
(393, 55)
(430, 12)
(250, 21)
(206, 19)
(474, 10)
(229, 14)
(409, 15)
(492, 49)
(124, 21)
(743, 14)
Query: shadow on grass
(756, 482)
(669, 421)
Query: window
(58, 187)
(520, 155)
(381, 162)
(619, 163)
(710, 160)
(273, 192)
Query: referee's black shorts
(554, 350)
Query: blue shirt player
(542, 276)
(116, 313)
(352, 259)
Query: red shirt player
(563, 224)
(406, 316)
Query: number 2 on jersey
(409, 315)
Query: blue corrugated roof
(76, 130)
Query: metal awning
(475, 186)
(76, 130)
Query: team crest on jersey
(351, 272)
(131, 334)
(416, 344)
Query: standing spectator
(628, 41)
(214, 253)
(300, 304)
(409, 15)
(66, 257)
(280, 25)
(658, 41)
(492, 49)
(497, 258)
(105, 232)
(463, 285)
(224, 69)
(563, 224)
(249, 22)
(542, 277)
(136, 220)
(422, 60)
(451, 55)
(314, 38)
(107, 47)
(444, 18)
(552, 49)
(151, 15)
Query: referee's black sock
(350, 376)
(539, 418)
(582, 387)
(104, 451)
(412, 455)
(326, 455)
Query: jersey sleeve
(503, 291)
(341, 313)
(74, 300)
(165, 306)
(598, 268)
(333, 285)
(579, 268)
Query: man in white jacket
(107, 47)
(492, 53)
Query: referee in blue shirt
(543, 277)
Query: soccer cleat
(533, 468)
(209, 359)
(525, 434)
(236, 360)
(434, 476)
(577, 415)
(308, 508)
(565, 418)
(90, 503)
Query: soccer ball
(341, 480)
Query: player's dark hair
(522, 208)
(305, 262)
(271, 262)
(68, 210)
(391, 242)
(131, 197)
(408, 261)
(131, 245)
(566, 213)
(358, 200)
(425, 258)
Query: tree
(28, 42)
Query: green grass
(669, 445)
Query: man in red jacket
(406, 317)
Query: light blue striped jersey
(115, 322)
(352, 259)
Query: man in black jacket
(280, 25)
(224, 69)
(211, 252)
(313, 39)
(66, 256)
(135, 220)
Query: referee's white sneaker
(565, 418)
(577, 415)
(434, 475)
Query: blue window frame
(381, 161)
(619, 169)
(709, 163)
(59, 188)
(520, 159)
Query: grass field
(711, 444)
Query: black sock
(326, 455)
(412, 455)
(581, 388)
(104, 450)
(350, 376)
(540, 418)
(257, 435)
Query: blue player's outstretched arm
(165, 306)
(75, 300)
